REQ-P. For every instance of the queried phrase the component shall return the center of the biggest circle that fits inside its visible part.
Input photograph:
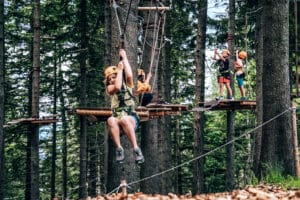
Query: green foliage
(291, 183)
(274, 176)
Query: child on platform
(239, 72)
(224, 72)
(144, 88)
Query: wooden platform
(147, 113)
(225, 105)
(37, 121)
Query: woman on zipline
(119, 84)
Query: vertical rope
(160, 46)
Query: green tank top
(122, 103)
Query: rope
(161, 44)
(157, 26)
(210, 152)
(127, 16)
(142, 51)
(115, 6)
(146, 33)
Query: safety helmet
(141, 72)
(226, 51)
(110, 70)
(242, 55)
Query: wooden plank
(145, 113)
(44, 121)
(175, 107)
(104, 112)
(30, 120)
(226, 105)
(154, 8)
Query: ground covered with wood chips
(261, 192)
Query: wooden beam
(226, 105)
(31, 120)
(151, 111)
(153, 8)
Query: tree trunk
(1, 99)
(64, 133)
(150, 130)
(54, 154)
(259, 95)
(34, 133)
(83, 99)
(200, 93)
(176, 147)
(128, 170)
(277, 144)
(230, 114)
(107, 62)
(164, 87)
(295, 140)
(93, 162)
(296, 46)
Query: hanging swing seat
(225, 104)
(145, 113)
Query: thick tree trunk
(230, 114)
(164, 88)
(277, 144)
(200, 93)
(34, 133)
(150, 130)
(128, 170)
(259, 94)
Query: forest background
(53, 57)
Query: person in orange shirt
(240, 56)
(144, 88)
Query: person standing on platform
(239, 72)
(224, 72)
